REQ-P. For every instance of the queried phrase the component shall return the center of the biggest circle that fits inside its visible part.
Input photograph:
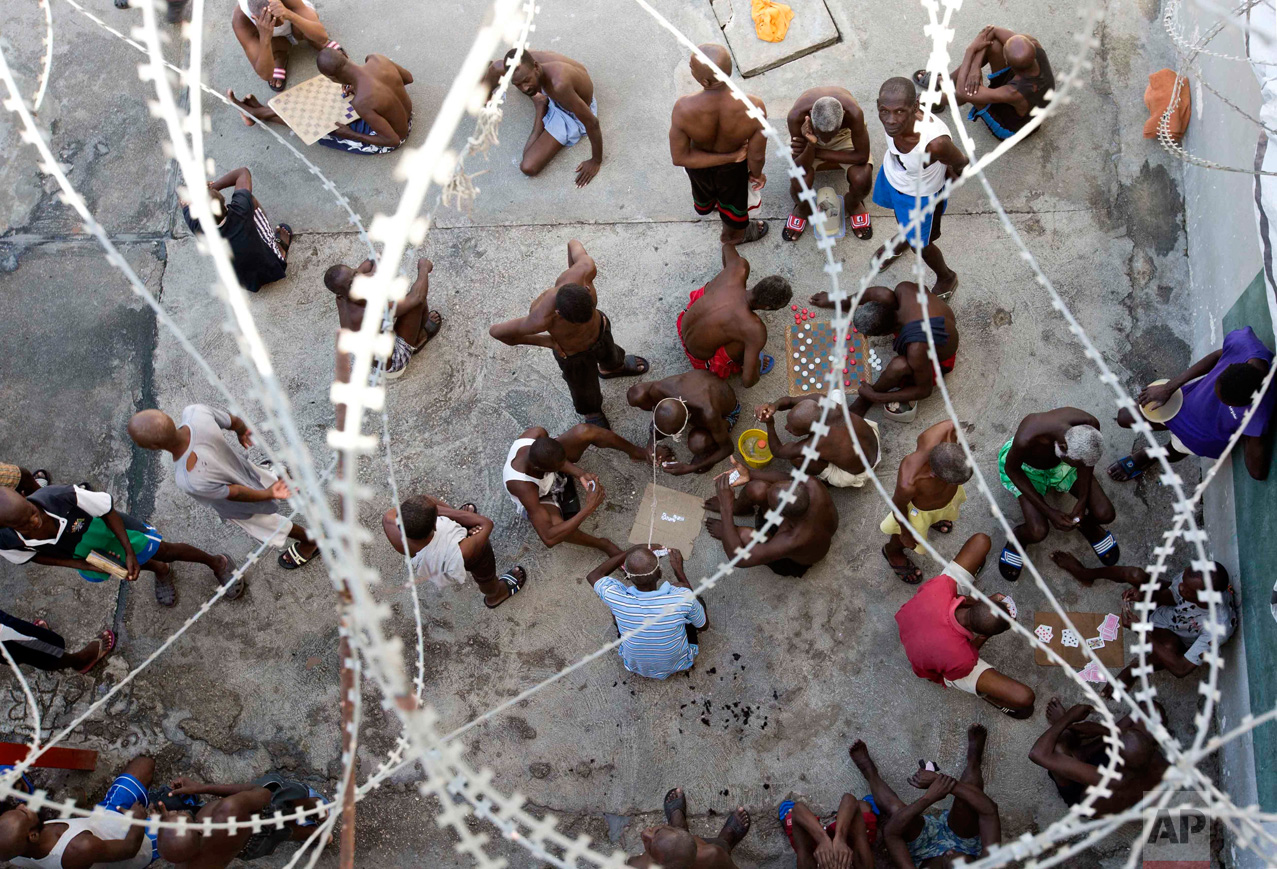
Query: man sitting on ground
(720, 331)
(266, 28)
(722, 148)
(846, 842)
(445, 544)
(540, 477)
(839, 465)
(415, 323)
(376, 92)
(942, 630)
(1019, 79)
(1056, 451)
(62, 525)
(929, 493)
(210, 471)
(806, 531)
(1181, 622)
(695, 403)
(264, 797)
(672, 846)
(827, 131)
(667, 644)
(915, 839)
(563, 98)
(1072, 750)
(1218, 390)
(105, 839)
(259, 254)
(910, 376)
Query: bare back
(722, 317)
(837, 448)
(927, 491)
(809, 537)
(715, 121)
(564, 75)
(381, 90)
(568, 337)
(911, 310)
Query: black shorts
(725, 188)
(35, 647)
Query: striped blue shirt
(661, 648)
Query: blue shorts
(996, 79)
(565, 127)
(903, 205)
(6, 767)
(938, 838)
(121, 796)
(359, 125)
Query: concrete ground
(793, 669)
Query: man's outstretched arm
(1044, 754)
(417, 295)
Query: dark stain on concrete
(1156, 352)
(1152, 209)
(1001, 317)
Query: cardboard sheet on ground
(1111, 654)
(314, 108)
(677, 521)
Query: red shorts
(831, 829)
(720, 364)
(946, 365)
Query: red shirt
(936, 645)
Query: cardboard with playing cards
(1090, 631)
(1044, 632)
(1069, 638)
(1093, 672)
(1109, 628)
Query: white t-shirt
(218, 466)
(916, 172)
(441, 559)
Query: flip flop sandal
(766, 363)
(41, 623)
(633, 366)
(794, 228)
(279, 75)
(946, 296)
(757, 229)
(432, 327)
(284, 227)
(291, 558)
(922, 79)
(598, 419)
(674, 804)
(862, 226)
(944, 526)
(511, 582)
(42, 477)
(1124, 470)
(106, 644)
(733, 825)
(225, 575)
(1010, 564)
(237, 589)
(165, 590)
(176, 11)
(121, 4)
(907, 573)
(1107, 550)
(928, 765)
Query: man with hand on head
(696, 404)
(266, 28)
(1019, 80)
(827, 131)
(414, 323)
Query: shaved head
(14, 509)
(802, 416)
(641, 564)
(794, 508)
(15, 830)
(1020, 52)
(673, 848)
(152, 429)
(721, 57)
(670, 416)
(331, 62)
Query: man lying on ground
(696, 404)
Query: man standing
(942, 630)
(259, 254)
(720, 331)
(806, 530)
(1217, 391)
(672, 846)
(206, 468)
(566, 319)
(695, 403)
(566, 109)
(838, 465)
(920, 158)
(827, 131)
(929, 493)
(1019, 79)
(665, 617)
(266, 28)
(445, 544)
(722, 148)
(38, 645)
(415, 323)
(1056, 451)
(61, 526)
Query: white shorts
(1178, 446)
(271, 528)
(960, 575)
(967, 682)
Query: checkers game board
(809, 350)
(314, 108)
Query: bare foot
(860, 757)
(711, 503)
(821, 300)
(715, 528)
(247, 104)
(976, 737)
(735, 827)
(1054, 710)
(1071, 565)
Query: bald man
(672, 846)
(212, 472)
(839, 463)
(1018, 82)
(722, 148)
(696, 404)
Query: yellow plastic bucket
(747, 444)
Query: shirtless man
(839, 465)
(697, 404)
(1020, 77)
(909, 377)
(844, 843)
(415, 323)
(804, 536)
(1072, 750)
(722, 148)
(265, 796)
(827, 131)
(563, 96)
(266, 28)
(566, 319)
(1056, 451)
(672, 846)
(719, 329)
(377, 92)
(929, 493)
(539, 473)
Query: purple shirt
(1205, 423)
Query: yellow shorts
(922, 520)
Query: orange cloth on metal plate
(771, 19)
(1161, 84)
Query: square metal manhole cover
(811, 30)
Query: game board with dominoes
(809, 353)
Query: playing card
(1109, 628)
(1070, 638)
(1093, 672)
(1094, 642)
(1044, 632)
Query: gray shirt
(218, 466)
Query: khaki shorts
(10, 476)
(967, 682)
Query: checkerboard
(809, 348)
(314, 108)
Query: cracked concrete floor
(794, 670)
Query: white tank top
(111, 825)
(508, 473)
(902, 169)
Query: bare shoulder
(758, 101)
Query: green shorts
(1060, 478)
(144, 539)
